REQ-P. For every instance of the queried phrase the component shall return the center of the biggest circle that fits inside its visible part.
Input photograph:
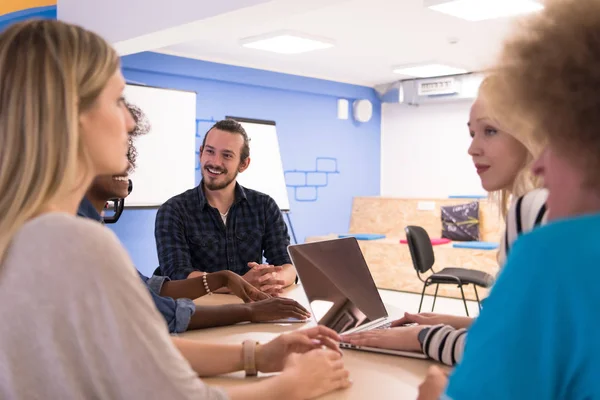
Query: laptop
(340, 289)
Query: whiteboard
(265, 173)
(166, 155)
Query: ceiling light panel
(480, 10)
(286, 43)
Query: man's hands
(404, 338)
(266, 278)
(271, 357)
(434, 319)
(434, 384)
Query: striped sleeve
(445, 344)
(525, 213)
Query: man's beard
(213, 185)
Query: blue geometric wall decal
(318, 179)
(307, 193)
(306, 183)
(293, 178)
(327, 164)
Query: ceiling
(371, 37)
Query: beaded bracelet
(206, 284)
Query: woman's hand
(241, 288)
(314, 374)
(434, 384)
(276, 308)
(404, 338)
(434, 319)
(271, 357)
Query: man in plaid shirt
(220, 225)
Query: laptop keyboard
(384, 326)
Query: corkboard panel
(389, 216)
(391, 265)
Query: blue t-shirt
(538, 334)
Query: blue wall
(305, 110)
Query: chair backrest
(421, 249)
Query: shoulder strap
(518, 216)
(506, 246)
(540, 216)
(518, 223)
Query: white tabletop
(374, 376)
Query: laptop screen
(338, 284)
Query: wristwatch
(249, 355)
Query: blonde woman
(76, 320)
(503, 152)
(537, 336)
(503, 161)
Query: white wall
(424, 151)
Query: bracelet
(249, 355)
(206, 284)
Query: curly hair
(550, 77)
(142, 127)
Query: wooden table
(374, 376)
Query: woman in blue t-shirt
(536, 337)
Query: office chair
(421, 252)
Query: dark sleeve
(277, 238)
(173, 251)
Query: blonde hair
(50, 71)
(550, 76)
(525, 180)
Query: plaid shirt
(190, 234)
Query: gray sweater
(77, 323)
